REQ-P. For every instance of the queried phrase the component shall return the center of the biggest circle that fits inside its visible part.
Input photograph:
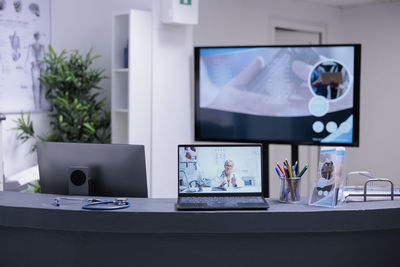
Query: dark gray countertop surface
(159, 216)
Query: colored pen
(294, 169)
(277, 171)
(277, 164)
(302, 171)
(290, 185)
(289, 168)
(286, 172)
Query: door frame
(275, 23)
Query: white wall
(247, 22)
(82, 24)
(377, 28)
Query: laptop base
(260, 205)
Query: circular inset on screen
(318, 106)
(331, 127)
(330, 79)
(318, 126)
(345, 127)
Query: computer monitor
(295, 94)
(117, 170)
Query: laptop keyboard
(222, 203)
(221, 200)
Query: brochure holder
(326, 188)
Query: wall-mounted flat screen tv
(300, 94)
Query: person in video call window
(316, 82)
(228, 179)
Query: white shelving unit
(131, 87)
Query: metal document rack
(369, 191)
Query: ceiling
(347, 3)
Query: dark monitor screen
(300, 94)
(113, 169)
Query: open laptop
(219, 177)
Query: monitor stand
(265, 156)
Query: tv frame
(356, 97)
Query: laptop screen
(221, 169)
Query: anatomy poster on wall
(24, 39)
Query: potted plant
(78, 114)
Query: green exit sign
(186, 2)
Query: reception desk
(34, 232)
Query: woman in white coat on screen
(228, 178)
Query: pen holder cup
(290, 190)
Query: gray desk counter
(152, 233)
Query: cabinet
(131, 85)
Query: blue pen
(277, 171)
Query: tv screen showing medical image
(283, 94)
(219, 169)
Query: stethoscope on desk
(97, 204)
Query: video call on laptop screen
(219, 169)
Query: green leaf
(89, 127)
